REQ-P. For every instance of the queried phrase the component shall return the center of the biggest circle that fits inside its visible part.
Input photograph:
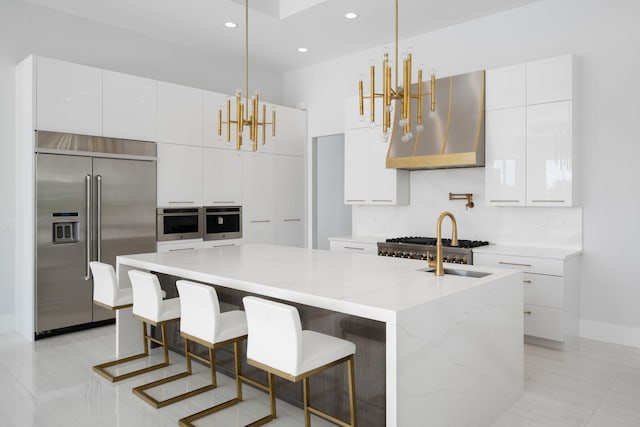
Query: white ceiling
(320, 26)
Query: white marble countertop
(549, 253)
(361, 239)
(371, 287)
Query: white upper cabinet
(549, 155)
(505, 163)
(366, 177)
(129, 106)
(222, 177)
(180, 114)
(68, 97)
(505, 87)
(530, 150)
(180, 177)
(550, 80)
(291, 130)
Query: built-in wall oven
(222, 222)
(179, 223)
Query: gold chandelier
(242, 117)
(402, 93)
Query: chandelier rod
(396, 62)
(246, 56)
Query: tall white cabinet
(531, 150)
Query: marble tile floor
(50, 383)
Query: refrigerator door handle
(88, 227)
(99, 216)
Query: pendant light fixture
(403, 93)
(242, 117)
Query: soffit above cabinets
(279, 27)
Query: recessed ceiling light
(351, 15)
(303, 50)
(230, 24)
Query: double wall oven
(208, 223)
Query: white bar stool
(150, 308)
(201, 322)
(107, 294)
(277, 344)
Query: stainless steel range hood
(453, 135)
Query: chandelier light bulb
(419, 128)
(386, 50)
(372, 125)
(389, 108)
(409, 50)
(404, 56)
(432, 72)
(238, 91)
(409, 135)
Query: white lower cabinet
(355, 245)
(180, 245)
(258, 188)
(551, 287)
(180, 178)
(289, 188)
(221, 243)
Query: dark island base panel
(329, 390)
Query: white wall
(27, 29)
(331, 216)
(603, 34)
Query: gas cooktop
(431, 241)
(422, 247)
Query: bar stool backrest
(105, 285)
(147, 295)
(274, 334)
(200, 310)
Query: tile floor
(50, 383)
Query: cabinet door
(179, 114)
(550, 80)
(357, 171)
(384, 182)
(179, 175)
(290, 185)
(291, 131)
(549, 155)
(222, 177)
(505, 87)
(212, 103)
(258, 189)
(188, 245)
(505, 166)
(68, 97)
(129, 106)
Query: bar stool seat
(107, 294)
(278, 345)
(202, 323)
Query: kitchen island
(453, 346)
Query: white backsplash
(523, 226)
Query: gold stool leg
(352, 391)
(141, 391)
(189, 420)
(101, 369)
(305, 392)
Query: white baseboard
(609, 332)
(7, 323)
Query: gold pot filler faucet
(437, 264)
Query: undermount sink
(458, 272)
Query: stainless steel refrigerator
(95, 199)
